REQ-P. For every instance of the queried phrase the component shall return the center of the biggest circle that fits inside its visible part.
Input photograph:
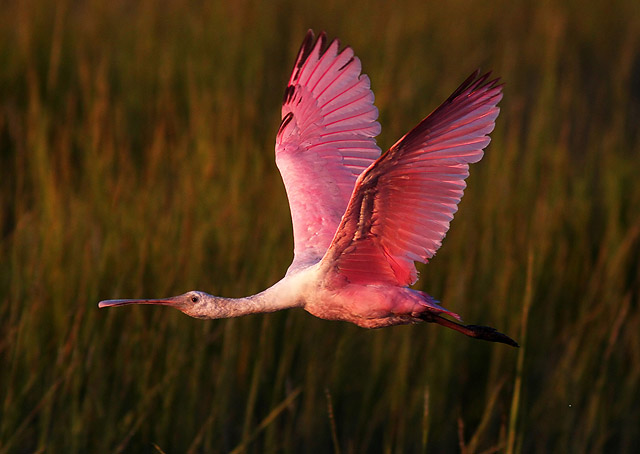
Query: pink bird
(361, 219)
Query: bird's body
(361, 219)
(368, 306)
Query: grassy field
(136, 159)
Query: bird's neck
(273, 299)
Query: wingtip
(310, 45)
(487, 82)
(476, 81)
(305, 49)
(307, 45)
(321, 43)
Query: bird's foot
(490, 334)
(476, 331)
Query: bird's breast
(369, 306)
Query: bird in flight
(361, 218)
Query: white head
(194, 303)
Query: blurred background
(136, 160)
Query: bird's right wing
(402, 205)
(326, 139)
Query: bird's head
(194, 303)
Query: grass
(136, 159)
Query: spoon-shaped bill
(173, 301)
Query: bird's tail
(432, 306)
(435, 312)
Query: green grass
(136, 159)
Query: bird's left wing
(326, 139)
(402, 205)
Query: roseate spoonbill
(361, 219)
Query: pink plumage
(361, 219)
(403, 203)
(326, 139)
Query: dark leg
(477, 331)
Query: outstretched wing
(402, 205)
(325, 141)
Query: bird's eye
(194, 299)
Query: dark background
(136, 159)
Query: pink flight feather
(326, 139)
(403, 203)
